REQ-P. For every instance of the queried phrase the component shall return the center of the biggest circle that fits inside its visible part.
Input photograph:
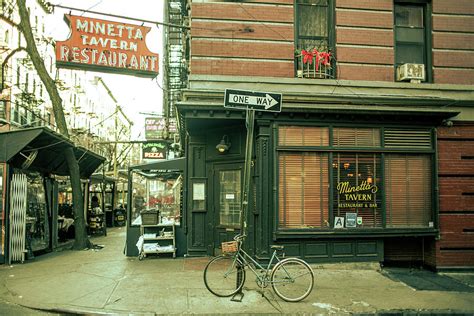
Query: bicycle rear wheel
(292, 279)
(224, 276)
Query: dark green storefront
(330, 181)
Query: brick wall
(364, 40)
(259, 34)
(455, 247)
(453, 41)
(252, 38)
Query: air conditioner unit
(411, 72)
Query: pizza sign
(154, 150)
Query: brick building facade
(337, 66)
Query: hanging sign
(106, 46)
(154, 150)
(154, 128)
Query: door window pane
(356, 195)
(229, 197)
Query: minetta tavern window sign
(354, 178)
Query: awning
(40, 149)
(177, 164)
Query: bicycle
(292, 279)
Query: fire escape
(176, 61)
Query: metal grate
(403, 138)
(18, 218)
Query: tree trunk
(81, 240)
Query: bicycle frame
(246, 260)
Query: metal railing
(314, 64)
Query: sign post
(250, 101)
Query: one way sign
(260, 101)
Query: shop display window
(303, 187)
(354, 178)
(156, 193)
(356, 196)
(37, 215)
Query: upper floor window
(411, 36)
(313, 38)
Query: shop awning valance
(40, 149)
(177, 164)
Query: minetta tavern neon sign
(106, 46)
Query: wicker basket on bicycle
(229, 247)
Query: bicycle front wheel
(224, 276)
(292, 279)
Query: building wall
(456, 186)
(364, 40)
(453, 41)
(257, 39)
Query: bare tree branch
(9, 21)
(5, 61)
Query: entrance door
(227, 189)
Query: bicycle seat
(277, 247)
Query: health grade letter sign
(106, 46)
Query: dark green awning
(41, 149)
(177, 164)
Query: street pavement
(105, 281)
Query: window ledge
(364, 233)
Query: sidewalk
(107, 282)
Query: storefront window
(37, 215)
(370, 183)
(156, 192)
(303, 187)
(408, 191)
(356, 196)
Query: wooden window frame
(381, 150)
(427, 26)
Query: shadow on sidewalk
(424, 280)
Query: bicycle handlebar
(239, 237)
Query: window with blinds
(303, 190)
(363, 184)
(408, 192)
(356, 179)
(356, 137)
(303, 136)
